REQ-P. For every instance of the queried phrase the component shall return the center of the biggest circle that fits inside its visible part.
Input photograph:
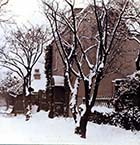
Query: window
(37, 75)
(36, 70)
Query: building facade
(122, 65)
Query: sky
(25, 11)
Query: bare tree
(22, 51)
(84, 59)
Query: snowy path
(42, 130)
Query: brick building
(122, 65)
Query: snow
(82, 108)
(39, 84)
(115, 80)
(74, 93)
(42, 130)
(9, 110)
(101, 66)
(137, 58)
(134, 75)
(58, 80)
(102, 109)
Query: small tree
(22, 51)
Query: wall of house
(127, 66)
(123, 65)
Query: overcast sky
(29, 10)
(26, 10)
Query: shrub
(126, 102)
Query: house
(123, 64)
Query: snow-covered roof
(102, 109)
(115, 80)
(134, 75)
(58, 80)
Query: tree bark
(24, 93)
(83, 123)
(84, 119)
(97, 82)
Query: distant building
(38, 80)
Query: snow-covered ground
(102, 109)
(42, 130)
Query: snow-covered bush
(126, 102)
(127, 92)
(128, 119)
(8, 81)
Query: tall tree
(86, 60)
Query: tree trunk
(24, 93)
(84, 119)
(97, 82)
(87, 93)
(83, 123)
(81, 129)
(30, 90)
(67, 93)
